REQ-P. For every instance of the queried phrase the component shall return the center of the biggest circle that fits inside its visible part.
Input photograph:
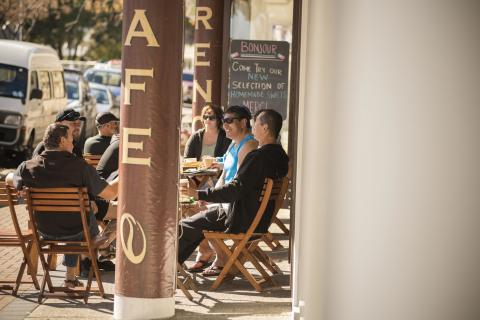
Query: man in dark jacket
(268, 161)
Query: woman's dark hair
(53, 135)
(272, 118)
(217, 111)
(241, 112)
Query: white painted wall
(389, 185)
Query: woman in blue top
(236, 123)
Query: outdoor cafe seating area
(259, 262)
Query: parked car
(32, 92)
(107, 76)
(104, 99)
(80, 99)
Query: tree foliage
(18, 17)
(75, 28)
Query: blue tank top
(230, 159)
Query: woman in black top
(211, 140)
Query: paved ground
(234, 300)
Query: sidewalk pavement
(233, 300)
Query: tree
(18, 17)
(74, 28)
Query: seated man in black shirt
(109, 161)
(107, 125)
(58, 167)
(107, 168)
(73, 120)
(243, 192)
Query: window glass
(58, 85)
(72, 90)
(33, 80)
(105, 77)
(101, 96)
(44, 84)
(13, 81)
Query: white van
(32, 92)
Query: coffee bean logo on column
(128, 247)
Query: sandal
(199, 266)
(73, 283)
(212, 271)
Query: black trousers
(191, 230)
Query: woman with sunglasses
(211, 140)
(236, 122)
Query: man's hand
(188, 191)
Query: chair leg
(281, 225)
(46, 268)
(184, 289)
(265, 260)
(97, 274)
(31, 269)
(257, 266)
(89, 285)
(232, 260)
(19, 277)
(46, 278)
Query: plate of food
(187, 200)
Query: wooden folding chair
(280, 188)
(92, 159)
(16, 238)
(185, 282)
(238, 253)
(268, 238)
(71, 201)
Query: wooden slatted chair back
(9, 198)
(92, 159)
(265, 196)
(273, 190)
(65, 201)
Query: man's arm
(9, 179)
(111, 190)
(248, 178)
(96, 185)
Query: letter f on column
(129, 73)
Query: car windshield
(104, 77)
(72, 90)
(13, 81)
(100, 95)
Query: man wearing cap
(71, 119)
(107, 125)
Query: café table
(200, 176)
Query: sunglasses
(230, 120)
(207, 117)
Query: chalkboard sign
(258, 75)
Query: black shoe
(106, 265)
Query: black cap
(68, 115)
(105, 117)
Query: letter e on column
(127, 145)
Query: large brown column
(208, 57)
(150, 118)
